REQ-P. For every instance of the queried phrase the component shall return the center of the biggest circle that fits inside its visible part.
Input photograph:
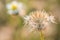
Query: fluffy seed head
(38, 20)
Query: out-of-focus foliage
(3, 14)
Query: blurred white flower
(12, 7)
(15, 7)
(38, 20)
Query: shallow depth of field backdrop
(12, 25)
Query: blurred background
(12, 14)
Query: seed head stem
(41, 35)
